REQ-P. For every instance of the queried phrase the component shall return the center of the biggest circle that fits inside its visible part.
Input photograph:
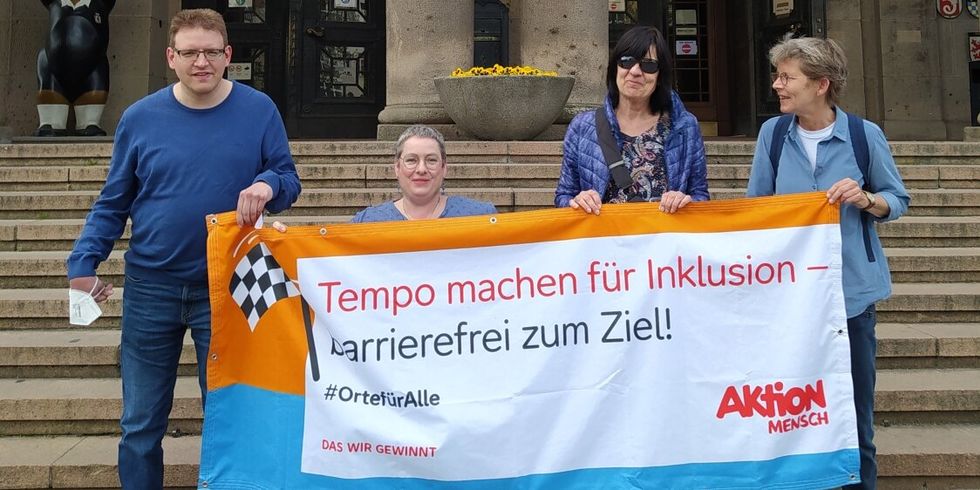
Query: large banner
(545, 349)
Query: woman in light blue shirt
(818, 146)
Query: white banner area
(643, 351)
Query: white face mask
(82, 308)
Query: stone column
(6, 19)
(570, 37)
(137, 60)
(424, 39)
(912, 71)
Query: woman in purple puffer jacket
(659, 140)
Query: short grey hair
(819, 58)
(420, 131)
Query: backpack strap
(776, 146)
(859, 144)
(610, 151)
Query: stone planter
(504, 107)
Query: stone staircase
(59, 386)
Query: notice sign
(782, 7)
(686, 17)
(617, 5)
(686, 47)
(239, 71)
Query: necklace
(431, 214)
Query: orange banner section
(272, 354)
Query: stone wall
(5, 27)
(908, 65)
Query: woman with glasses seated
(645, 126)
(420, 166)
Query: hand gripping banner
(544, 349)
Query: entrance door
(321, 61)
(339, 70)
(257, 33)
(696, 32)
(775, 19)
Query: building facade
(364, 68)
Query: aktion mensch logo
(787, 410)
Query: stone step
(64, 406)
(931, 303)
(908, 231)
(46, 269)
(925, 202)
(719, 151)
(60, 234)
(928, 345)
(76, 204)
(55, 406)
(946, 456)
(952, 264)
(928, 456)
(82, 353)
(931, 231)
(92, 353)
(381, 175)
(927, 396)
(87, 462)
(313, 176)
(47, 308)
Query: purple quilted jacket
(583, 166)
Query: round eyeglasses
(412, 162)
(783, 78)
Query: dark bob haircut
(636, 42)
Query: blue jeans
(861, 331)
(154, 320)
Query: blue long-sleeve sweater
(172, 166)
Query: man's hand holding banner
(546, 349)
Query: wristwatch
(871, 201)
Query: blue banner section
(268, 456)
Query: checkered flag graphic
(258, 282)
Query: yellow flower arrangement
(497, 70)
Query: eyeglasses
(192, 54)
(646, 65)
(412, 162)
(783, 78)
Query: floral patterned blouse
(644, 157)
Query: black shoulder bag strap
(611, 152)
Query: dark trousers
(861, 331)
(155, 317)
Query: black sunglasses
(647, 66)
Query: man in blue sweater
(203, 145)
